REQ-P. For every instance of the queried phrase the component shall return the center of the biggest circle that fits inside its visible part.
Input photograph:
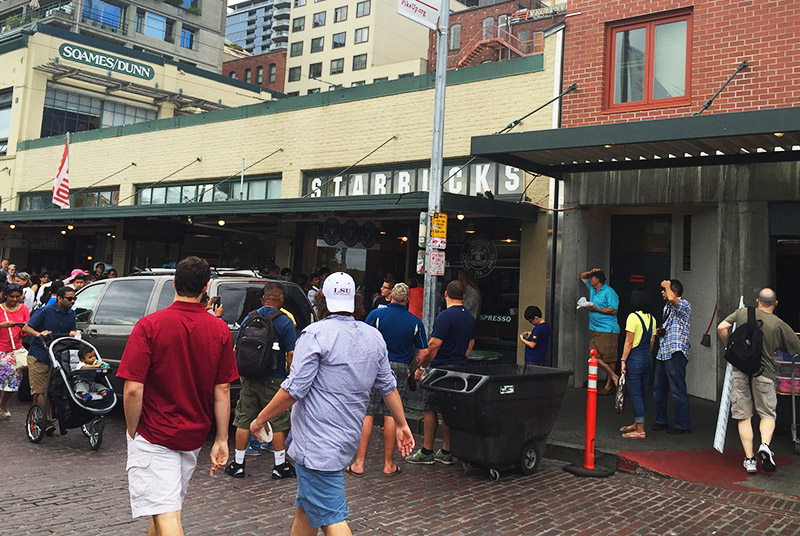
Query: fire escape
(498, 39)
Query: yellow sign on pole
(438, 230)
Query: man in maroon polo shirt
(177, 368)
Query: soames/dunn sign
(106, 61)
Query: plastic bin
(499, 415)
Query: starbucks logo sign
(479, 255)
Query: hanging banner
(424, 13)
(61, 182)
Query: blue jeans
(637, 378)
(672, 374)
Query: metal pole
(241, 183)
(429, 303)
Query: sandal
(629, 428)
(349, 471)
(396, 472)
(604, 391)
(634, 435)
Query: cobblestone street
(61, 487)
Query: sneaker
(236, 470)
(5, 414)
(420, 458)
(285, 470)
(750, 465)
(50, 429)
(252, 451)
(441, 457)
(267, 446)
(767, 462)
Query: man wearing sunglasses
(58, 318)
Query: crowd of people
(750, 395)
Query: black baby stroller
(69, 409)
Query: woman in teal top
(637, 358)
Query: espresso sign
(106, 61)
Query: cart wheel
(529, 459)
(85, 429)
(494, 475)
(96, 433)
(797, 448)
(35, 423)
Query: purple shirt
(337, 361)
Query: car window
(296, 302)
(86, 300)
(125, 302)
(167, 295)
(238, 299)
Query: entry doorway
(787, 266)
(640, 258)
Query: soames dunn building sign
(474, 178)
(106, 61)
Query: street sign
(438, 233)
(419, 11)
(436, 263)
(420, 261)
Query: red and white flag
(61, 182)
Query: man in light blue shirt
(337, 361)
(603, 324)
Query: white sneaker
(750, 465)
(5, 414)
(767, 462)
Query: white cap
(340, 292)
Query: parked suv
(107, 310)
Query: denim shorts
(320, 494)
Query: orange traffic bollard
(591, 412)
(588, 468)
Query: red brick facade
(471, 22)
(724, 32)
(240, 66)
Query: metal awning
(181, 100)
(714, 139)
(375, 207)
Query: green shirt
(777, 335)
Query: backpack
(258, 350)
(744, 346)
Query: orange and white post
(591, 412)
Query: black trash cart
(499, 415)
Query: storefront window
(74, 112)
(254, 189)
(79, 199)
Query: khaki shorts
(743, 398)
(605, 344)
(157, 476)
(256, 393)
(37, 375)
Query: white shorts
(157, 476)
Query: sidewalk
(690, 457)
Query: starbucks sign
(106, 61)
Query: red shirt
(20, 315)
(415, 296)
(179, 353)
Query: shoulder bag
(20, 354)
(619, 397)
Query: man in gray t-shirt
(759, 391)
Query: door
(640, 257)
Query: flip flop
(349, 471)
(604, 391)
(629, 428)
(396, 472)
(634, 435)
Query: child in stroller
(84, 386)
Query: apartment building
(188, 31)
(346, 43)
(261, 70)
(259, 26)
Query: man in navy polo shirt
(58, 318)
(451, 343)
(407, 344)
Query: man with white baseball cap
(326, 423)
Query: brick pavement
(61, 487)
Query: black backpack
(744, 346)
(258, 350)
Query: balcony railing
(64, 10)
(498, 35)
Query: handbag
(20, 354)
(619, 397)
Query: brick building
(496, 32)
(663, 192)
(264, 70)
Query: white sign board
(436, 263)
(438, 243)
(424, 13)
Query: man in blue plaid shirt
(673, 356)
